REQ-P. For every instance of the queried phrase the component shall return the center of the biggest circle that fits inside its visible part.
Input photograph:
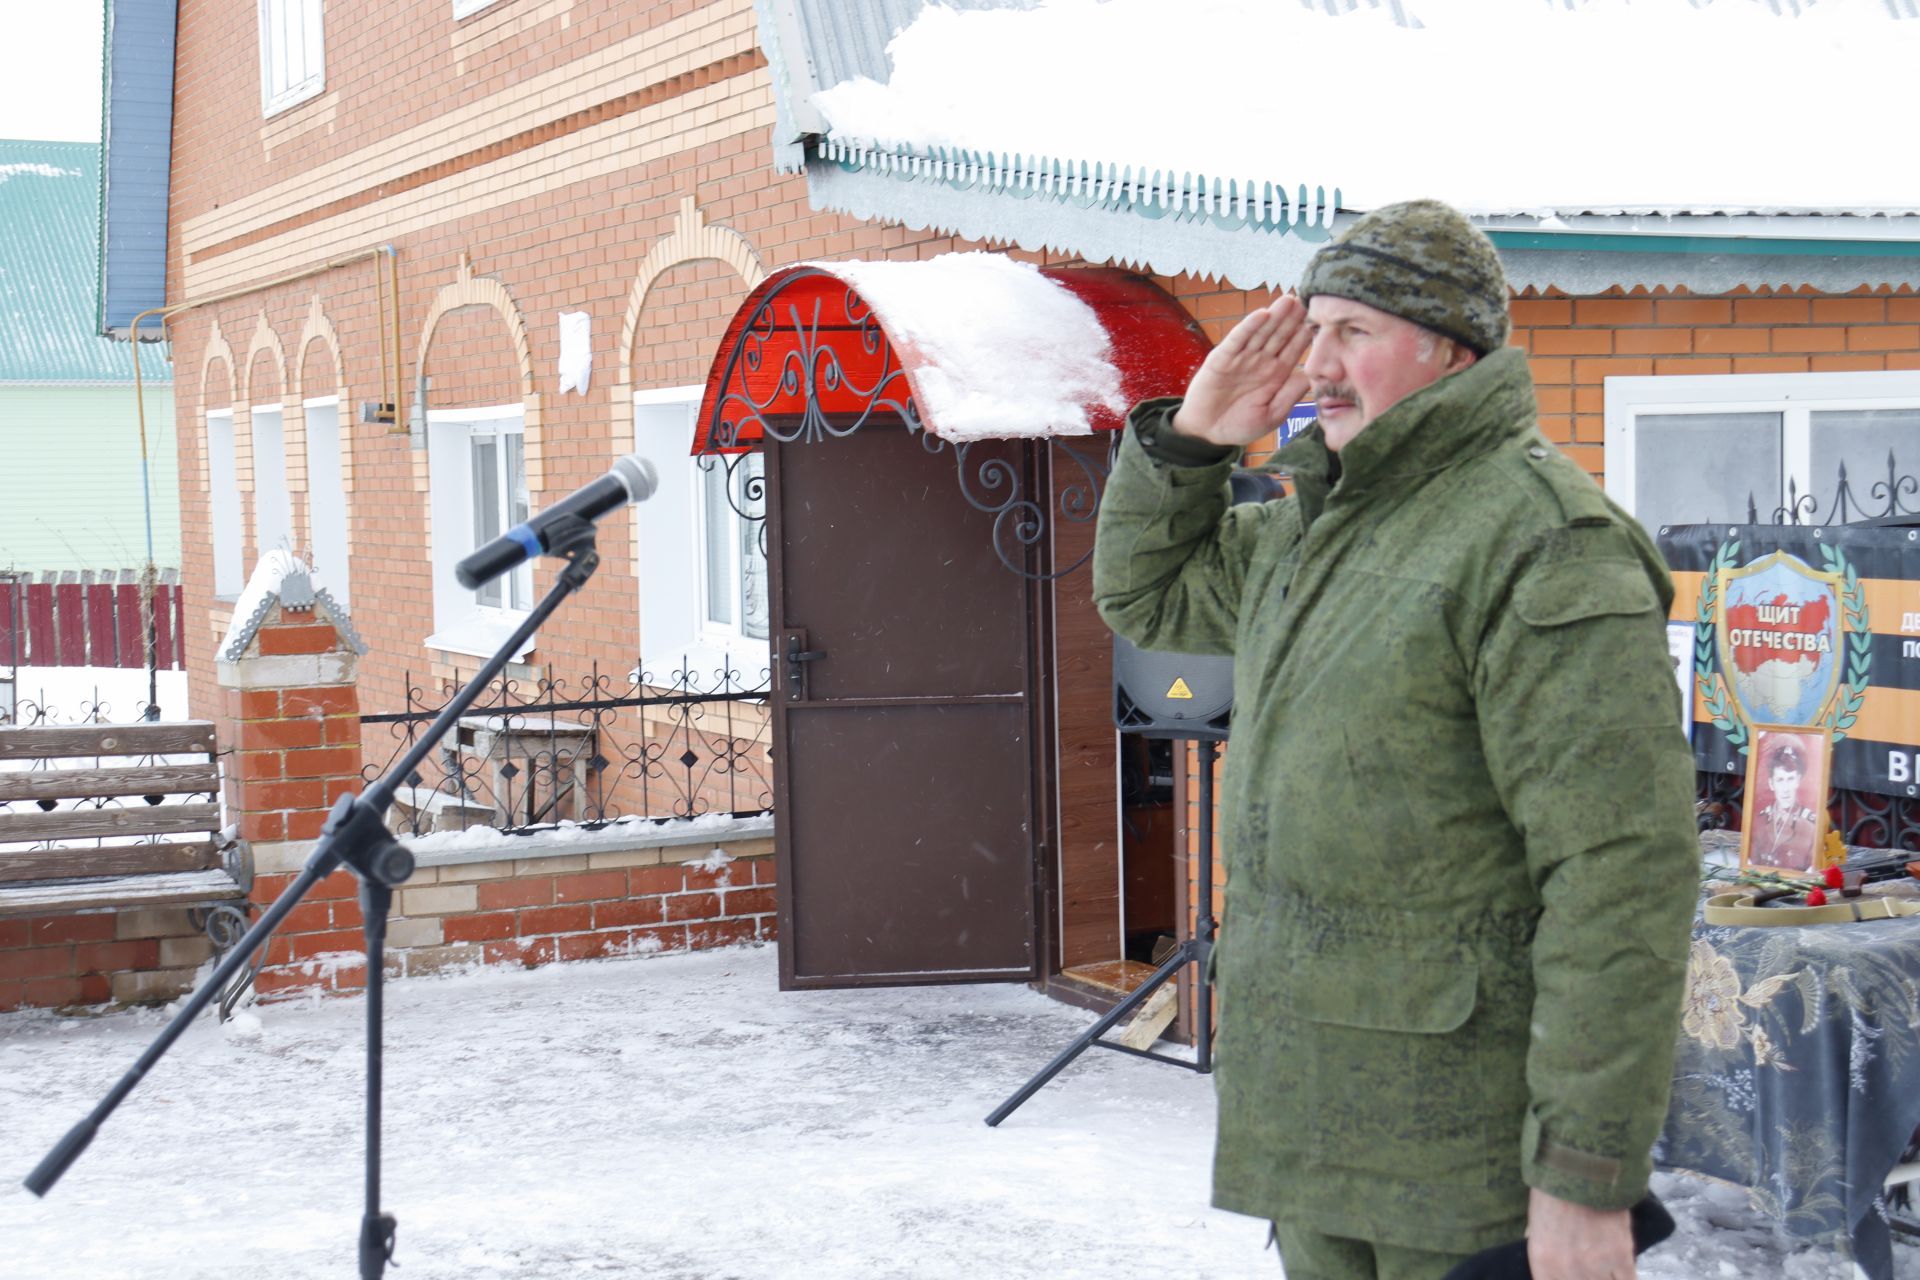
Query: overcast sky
(50, 72)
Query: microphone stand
(355, 836)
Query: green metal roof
(49, 270)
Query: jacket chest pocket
(1394, 1076)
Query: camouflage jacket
(1456, 816)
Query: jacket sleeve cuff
(1152, 425)
(1583, 1177)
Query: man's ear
(1461, 357)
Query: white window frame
(672, 553)
(462, 623)
(733, 635)
(1796, 397)
(289, 85)
(223, 501)
(327, 520)
(467, 8)
(272, 494)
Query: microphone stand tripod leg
(377, 1229)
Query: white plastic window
(703, 577)
(272, 505)
(1711, 449)
(223, 476)
(327, 497)
(293, 58)
(477, 475)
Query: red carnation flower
(1836, 878)
(1816, 897)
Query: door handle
(796, 672)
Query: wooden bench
(91, 818)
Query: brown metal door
(903, 736)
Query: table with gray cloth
(1799, 1070)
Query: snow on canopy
(1497, 106)
(994, 348)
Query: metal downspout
(166, 313)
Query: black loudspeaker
(1171, 695)
(1181, 695)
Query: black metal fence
(530, 757)
(1885, 501)
(26, 703)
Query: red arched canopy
(967, 346)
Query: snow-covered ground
(671, 1117)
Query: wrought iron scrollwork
(995, 486)
(745, 489)
(810, 366)
(1804, 509)
(225, 924)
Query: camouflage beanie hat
(1424, 262)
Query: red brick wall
(52, 961)
(527, 916)
(1576, 342)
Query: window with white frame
(477, 475)
(462, 8)
(327, 497)
(733, 599)
(223, 497)
(293, 58)
(702, 567)
(272, 504)
(1710, 449)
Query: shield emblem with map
(1779, 628)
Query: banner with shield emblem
(1804, 627)
(1779, 627)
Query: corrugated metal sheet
(815, 44)
(49, 252)
(138, 123)
(1176, 221)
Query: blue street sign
(1302, 417)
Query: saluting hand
(1252, 380)
(1568, 1241)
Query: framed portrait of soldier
(1783, 819)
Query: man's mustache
(1336, 391)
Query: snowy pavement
(674, 1117)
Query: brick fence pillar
(292, 721)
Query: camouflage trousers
(1311, 1255)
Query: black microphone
(631, 480)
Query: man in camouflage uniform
(1457, 812)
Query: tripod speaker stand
(1196, 951)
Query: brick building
(508, 164)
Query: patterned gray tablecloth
(1799, 1072)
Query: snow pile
(993, 348)
(265, 582)
(567, 836)
(674, 1118)
(1498, 106)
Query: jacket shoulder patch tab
(1555, 595)
(1579, 499)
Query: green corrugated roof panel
(49, 270)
